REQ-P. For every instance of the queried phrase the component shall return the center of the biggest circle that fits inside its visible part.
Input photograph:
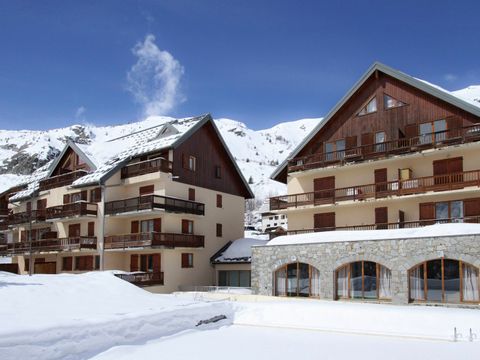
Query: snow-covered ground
(97, 315)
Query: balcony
(386, 226)
(142, 278)
(61, 180)
(154, 239)
(386, 149)
(50, 245)
(379, 190)
(146, 167)
(4, 213)
(26, 217)
(154, 202)
(71, 210)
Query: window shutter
(157, 225)
(325, 221)
(23, 236)
(96, 195)
(69, 263)
(84, 195)
(350, 142)
(184, 226)
(88, 262)
(91, 228)
(66, 198)
(41, 204)
(427, 212)
(381, 216)
(219, 230)
(411, 131)
(191, 194)
(367, 143)
(472, 209)
(455, 165)
(29, 206)
(133, 262)
(134, 227)
(219, 201)
(324, 187)
(156, 263)
(184, 260)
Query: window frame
(365, 107)
(385, 107)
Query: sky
(260, 62)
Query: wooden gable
(209, 153)
(70, 161)
(418, 107)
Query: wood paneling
(70, 162)
(207, 148)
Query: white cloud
(155, 78)
(80, 113)
(450, 77)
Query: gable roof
(424, 86)
(70, 145)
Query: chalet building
(157, 204)
(396, 153)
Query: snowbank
(363, 235)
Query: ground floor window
(363, 280)
(239, 278)
(444, 280)
(297, 279)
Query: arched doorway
(297, 279)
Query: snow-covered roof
(437, 230)
(237, 251)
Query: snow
(453, 229)
(239, 250)
(470, 94)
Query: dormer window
(369, 108)
(390, 102)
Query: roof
(431, 89)
(237, 251)
(437, 230)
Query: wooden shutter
(67, 263)
(96, 195)
(134, 227)
(455, 165)
(84, 195)
(427, 212)
(146, 190)
(66, 199)
(471, 208)
(367, 143)
(88, 262)
(325, 221)
(381, 217)
(440, 167)
(380, 176)
(191, 194)
(91, 228)
(74, 230)
(185, 263)
(41, 204)
(411, 131)
(157, 225)
(219, 201)
(156, 263)
(185, 226)
(324, 187)
(219, 230)
(29, 206)
(133, 262)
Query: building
(271, 220)
(395, 153)
(157, 203)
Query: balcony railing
(4, 212)
(386, 226)
(146, 167)
(378, 190)
(379, 150)
(61, 180)
(26, 217)
(154, 239)
(154, 202)
(142, 278)
(71, 210)
(50, 245)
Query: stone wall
(399, 255)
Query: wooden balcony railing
(142, 278)
(386, 226)
(146, 167)
(71, 210)
(61, 180)
(394, 147)
(26, 217)
(378, 190)
(47, 245)
(153, 239)
(153, 202)
(4, 212)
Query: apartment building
(395, 153)
(157, 204)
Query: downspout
(101, 241)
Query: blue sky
(261, 62)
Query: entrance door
(381, 182)
(324, 190)
(381, 217)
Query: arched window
(297, 279)
(363, 280)
(444, 280)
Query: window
(146, 226)
(218, 172)
(380, 141)
(187, 227)
(369, 108)
(390, 102)
(187, 260)
(219, 230)
(444, 280)
(27, 264)
(191, 194)
(433, 131)
(219, 201)
(449, 210)
(297, 279)
(97, 262)
(363, 280)
(335, 150)
(240, 278)
(146, 190)
(96, 195)
(192, 163)
(75, 197)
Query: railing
(146, 167)
(386, 226)
(61, 180)
(142, 278)
(71, 210)
(4, 212)
(26, 216)
(152, 202)
(394, 147)
(46, 245)
(378, 190)
(153, 239)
